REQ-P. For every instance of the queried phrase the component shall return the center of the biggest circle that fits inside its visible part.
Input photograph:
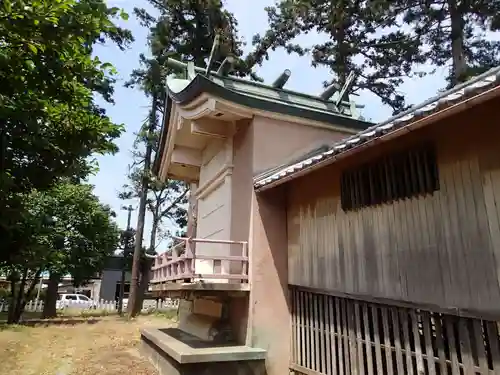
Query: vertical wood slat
(429, 351)
(397, 341)
(387, 342)
(376, 339)
(335, 335)
(493, 343)
(339, 337)
(352, 338)
(479, 344)
(316, 337)
(465, 344)
(323, 333)
(359, 339)
(406, 338)
(440, 346)
(451, 256)
(303, 346)
(450, 333)
(305, 343)
(368, 346)
(398, 175)
(309, 341)
(328, 335)
(293, 344)
(345, 335)
(416, 340)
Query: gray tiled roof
(446, 99)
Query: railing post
(244, 252)
(177, 267)
(192, 262)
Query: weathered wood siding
(442, 249)
(341, 336)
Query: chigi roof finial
(335, 87)
(213, 54)
(226, 66)
(282, 79)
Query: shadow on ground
(53, 322)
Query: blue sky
(132, 107)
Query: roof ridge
(449, 97)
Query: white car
(74, 301)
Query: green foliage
(5, 294)
(83, 233)
(383, 41)
(456, 34)
(185, 30)
(127, 245)
(67, 230)
(50, 124)
(361, 39)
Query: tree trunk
(341, 52)
(154, 230)
(20, 300)
(459, 64)
(12, 302)
(21, 304)
(136, 262)
(146, 264)
(49, 307)
(143, 286)
(122, 285)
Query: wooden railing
(181, 263)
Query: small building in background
(104, 286)
(110, 279)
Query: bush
(4, 293)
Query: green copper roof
(258, 96)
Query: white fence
(111, 306)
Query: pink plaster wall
(259, 144)
(269, 312)
(242, 185)
(276, 141)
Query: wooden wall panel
(442, 249)
(332, 335)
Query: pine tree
(455, 33)
(361, 41)
(183, 30)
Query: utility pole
(124, 261)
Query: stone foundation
(190, 356)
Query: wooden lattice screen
(332, 335)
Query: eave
(187, 129)
(466, 95)
(201, 84)
(203, 98)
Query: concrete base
(171, 356)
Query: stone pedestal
(190, 356)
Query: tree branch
(174, 203)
